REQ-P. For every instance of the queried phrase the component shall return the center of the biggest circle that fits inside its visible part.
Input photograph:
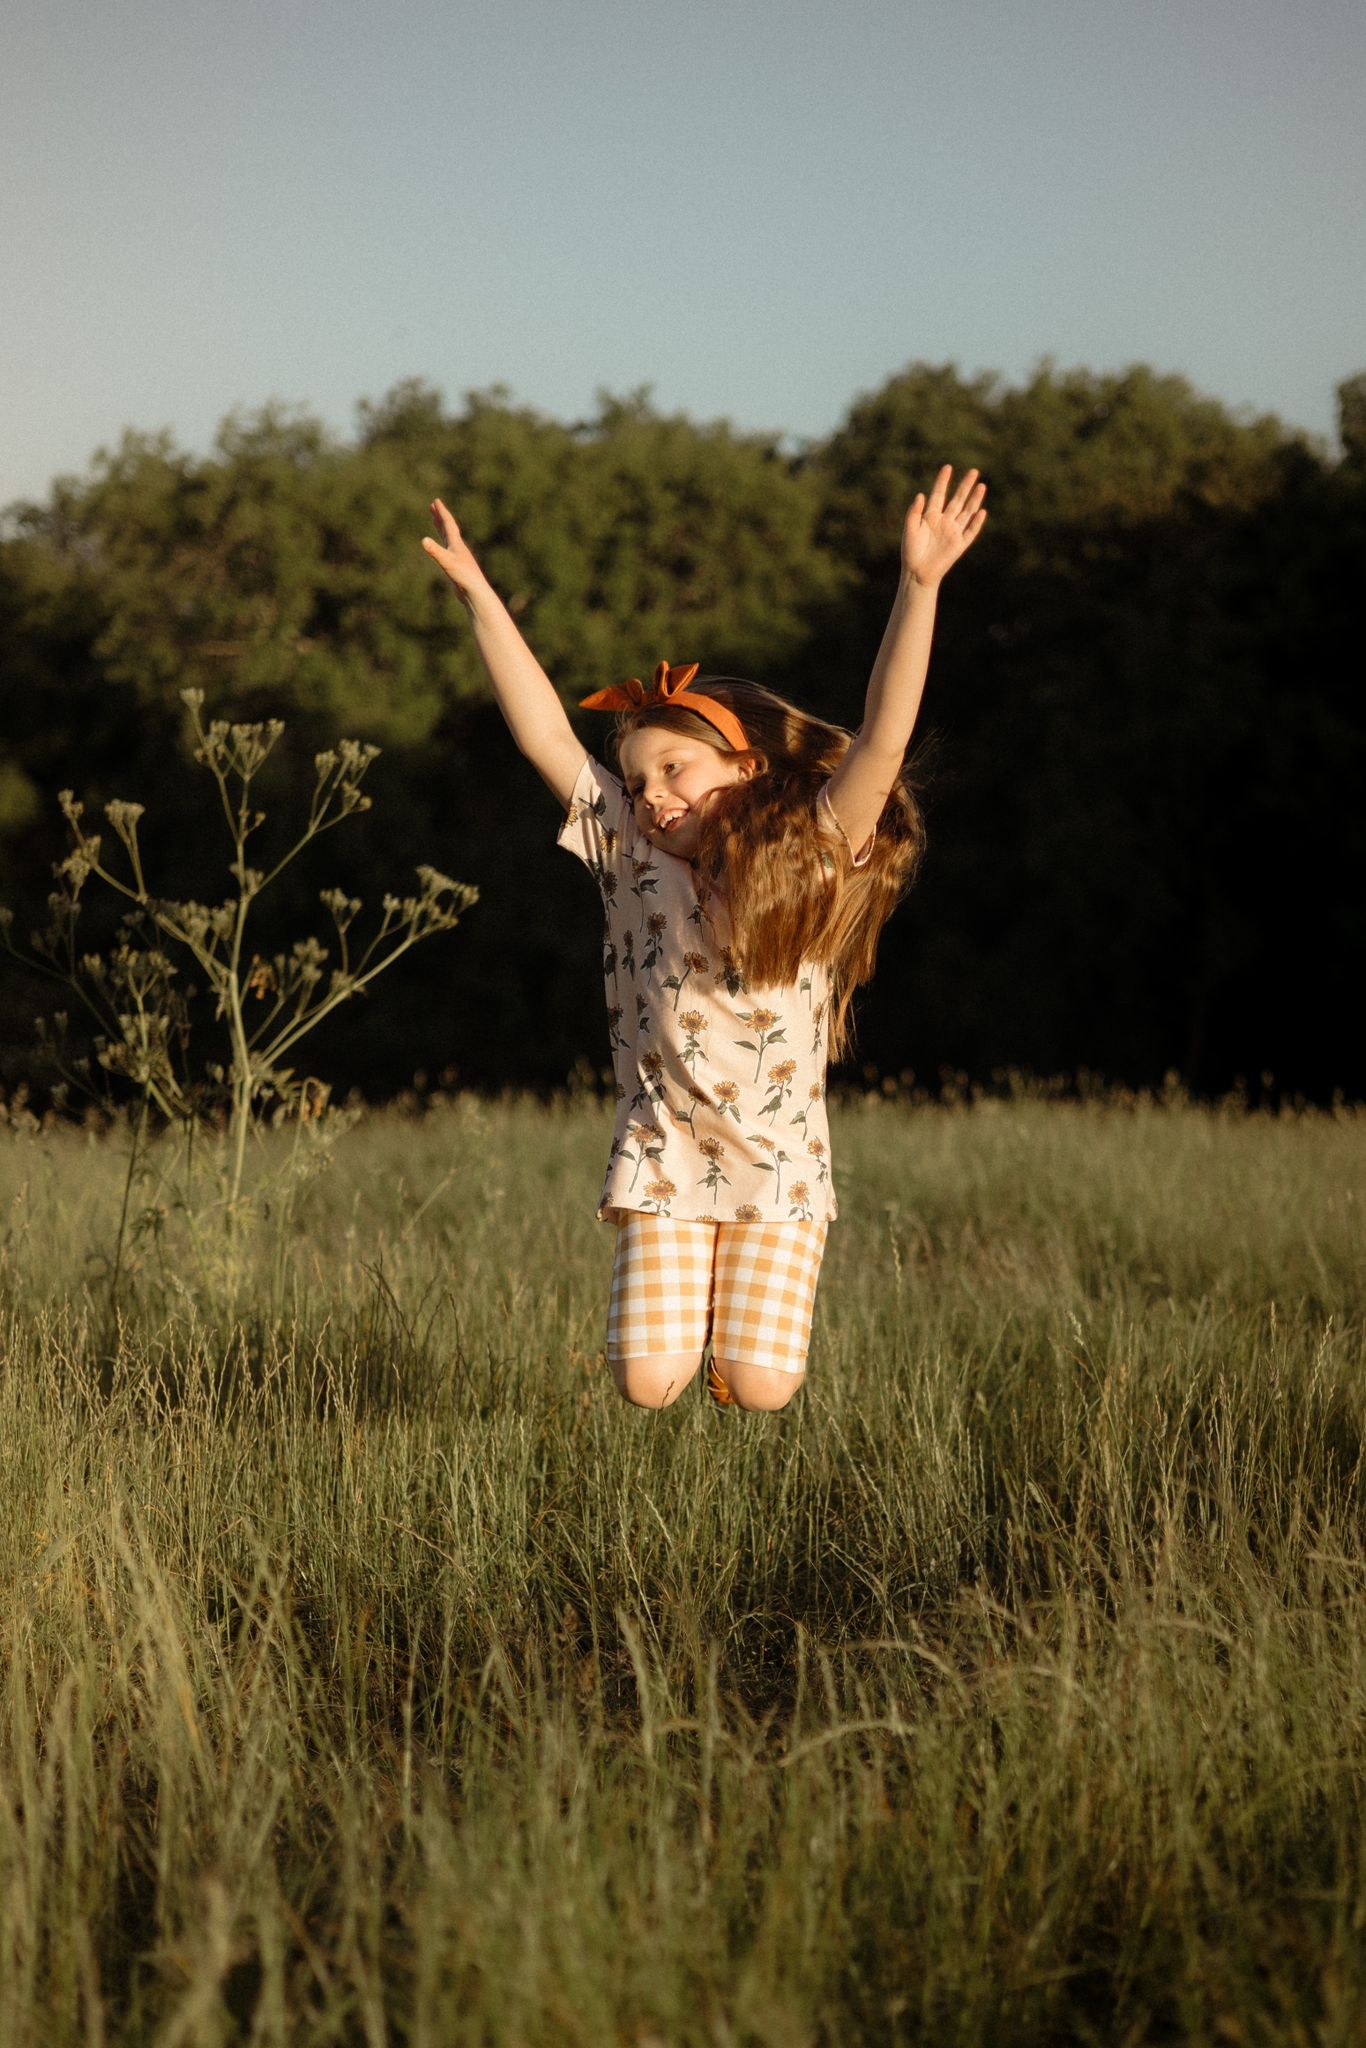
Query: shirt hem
(612, 1212)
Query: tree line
(1143, 754)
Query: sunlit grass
(372, 1673)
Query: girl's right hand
(454, 554)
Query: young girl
(748, 856)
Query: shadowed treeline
(1146, 832)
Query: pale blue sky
(760, 209)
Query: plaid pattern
(765, 1293)
(751, 1287)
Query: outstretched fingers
(965, 514)
(941, 510)
(941, 528)
(970, 488)
(452, 552)
(446, 527)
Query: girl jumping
(748, 856)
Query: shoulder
(597, 793)
(595, 786)
(599, 821)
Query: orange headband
(668, 687)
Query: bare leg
(655, 1382)
(760, 1388)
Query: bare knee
(654, 1382)
(760, 1388)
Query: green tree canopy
(1144, 801)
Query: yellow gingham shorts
(750, 1287)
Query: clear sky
(758, 207)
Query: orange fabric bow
(668, 687)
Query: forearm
(938, 530)
(865, 778)
(897, 682)
(526, 696)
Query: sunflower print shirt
(720, 1088)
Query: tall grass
(372, 1674)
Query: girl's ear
(751, 764)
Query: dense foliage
(1146, 834)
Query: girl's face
(671, 779)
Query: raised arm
(526, 696)
(937, 532)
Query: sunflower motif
(780, 1086)
(694, 1023)
(656, 924)
(731, 975)
(651, 1087)
(693, 963)
(767, 1029)
(728, 1098)
(649, 1142)
(686, 1119)
(713, 1151)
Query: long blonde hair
(792, 891)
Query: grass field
(372, 1674)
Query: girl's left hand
(939, 531)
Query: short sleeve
(600, 819)
(864, 854)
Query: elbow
(882, 757)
